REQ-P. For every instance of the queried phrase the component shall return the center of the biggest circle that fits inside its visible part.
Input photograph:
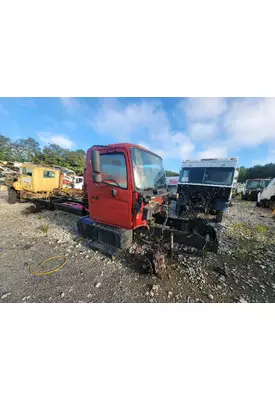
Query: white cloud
(231, 124)
(214, 152)
(52, 138)
(200, 108)
(70, 104)
(203, 131)
(250, 122)
(176, 145)
(147, 118)
(122, 121)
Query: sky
(175, 128)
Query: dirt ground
(242, 271)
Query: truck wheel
(219, 216)
(12, 198)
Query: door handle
(95, 197)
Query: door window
(113, 169)
(27, 171)
(49, 174)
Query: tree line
(29, 150)
(258, 171)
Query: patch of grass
(241, 253)
(241, 229)
(45, 228)
(261, 228)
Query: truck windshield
(148, 170)
(257, 184)
(207, 176)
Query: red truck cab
(131, 177)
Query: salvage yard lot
(242, 271)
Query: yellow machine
(34, 182)
(37, 180)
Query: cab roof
(126, 146)
(30, 165)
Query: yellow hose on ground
(41, 273)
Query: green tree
(26, 150)
(171, 173)
(242, 174)
(54, 155)
(261, 171)
(76, 160)
(5, 148)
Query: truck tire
(12, 197)
(219, 216)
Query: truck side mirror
(95, 159)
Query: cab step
(104, 248)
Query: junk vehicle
(8, 171)
(69, 177)
(128, 206)
(206, 185)
(34, 181)
(78, 182)
(253, 187)
(172, 185)
(266, 198)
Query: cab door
(110, 202)
(26, 179)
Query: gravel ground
(243, 271)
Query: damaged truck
(128, 207)
(206, 186)
(253, 187)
